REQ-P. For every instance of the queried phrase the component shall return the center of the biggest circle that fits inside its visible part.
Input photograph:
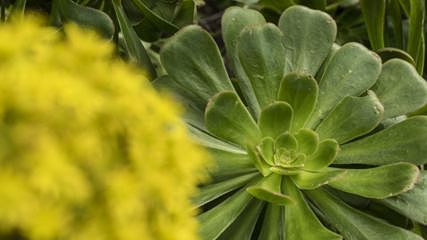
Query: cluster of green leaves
(128, 22)
(305, 135)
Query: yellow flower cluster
(88, 150)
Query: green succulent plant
(305, 131)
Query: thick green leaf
(226, 117)
(213, 191)
(412, 204)
(134, 48)
(307, 141)
(262, 57)
(403, 142)
(354, 224)
(228, 165)
(389, 53)
(194, 111)
(248, 2)
(244, 225)
(269, 189)
(351, 118)
(258, 161)
(275, 119)
(234, 20)
(308, 38)
(209, 141)
(285, 171)
(194, 62)
(215, 221)
(301, 223)
(374, 15)
(266, 150)
(300, 91)
(313, 180)
(272, 225)
(324, 155)
(400, 88)
(379, 182)
(86, 16)
(352, 70)
(286, 141)
(325, 63)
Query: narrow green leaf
(155, 17)
(307, 141)
(403, 142)
(273, 224)
(134, 48)
(395, 14)
(198, 68)
(354, 224)
(215, 221)
(313, 180)
(19, 7)
(186, 13)
(300, 91)
(86, 16)
(269, 189)
(374, 15)
(234, 20)
(351, 118)
(308, 38)
(213, 191)
(400, 88)
(416, 30)
(421, 56)
(277, 6)
(226, 117)
(324, 155)
(379, 182)
(244, 225)
(406, 6)
(352, 70)
(411, 204)
(262, 57)
(301, 223)
(275, 119)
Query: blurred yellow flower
(88, 150)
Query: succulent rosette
(305, 135)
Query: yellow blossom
(88, 150)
